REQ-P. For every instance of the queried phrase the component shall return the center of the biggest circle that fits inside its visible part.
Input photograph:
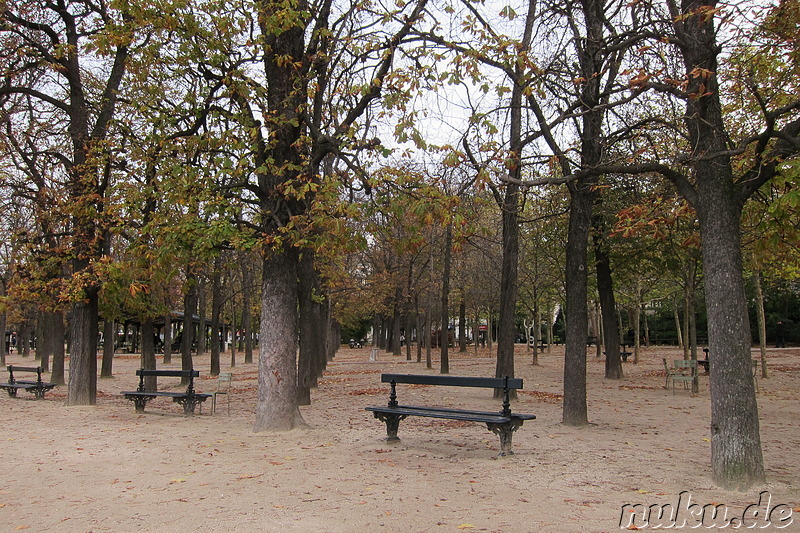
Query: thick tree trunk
(506, 327)
(82, 386)
(276, 406)
(736, 457)
(574, 410)
(311, 329)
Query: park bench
(188, 400)
(37, 388)
(502, 423)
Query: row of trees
(141, 141)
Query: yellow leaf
(466, 526)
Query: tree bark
(276, 405)
(574, 409)
(82, 386)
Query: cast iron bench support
(503, 423)
(37, 388)
(188, 400)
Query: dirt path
(107, 469)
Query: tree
(45, 48)
(724, 172)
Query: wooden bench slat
(452, 381)
(440, 413)
(16, 368)
(168, 373)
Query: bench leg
(188, 404)
(139, 404)
(38, 394)
(12, 392)
(392, 424)
(505, 431)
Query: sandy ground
(106, 468)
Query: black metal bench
(188, 400)
(502, 423)
(37, 388)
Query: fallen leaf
(466, 526)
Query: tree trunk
(418, 316)
(3, 345)
(148, 357)
(736, 457)
(637, 324)
(574, 409)
(202, 302)
(189, 308)
(24, 341)
(407, 334)
(677, 322)
(429, 312)
(107, 366)
(276, 405)
(216, 313)
(396, 317)
(444, 362)
(462, 326)
(608, 304)
(82, 386)
(247, 321)
(168, 338)
(762, 323)
(310, 327)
